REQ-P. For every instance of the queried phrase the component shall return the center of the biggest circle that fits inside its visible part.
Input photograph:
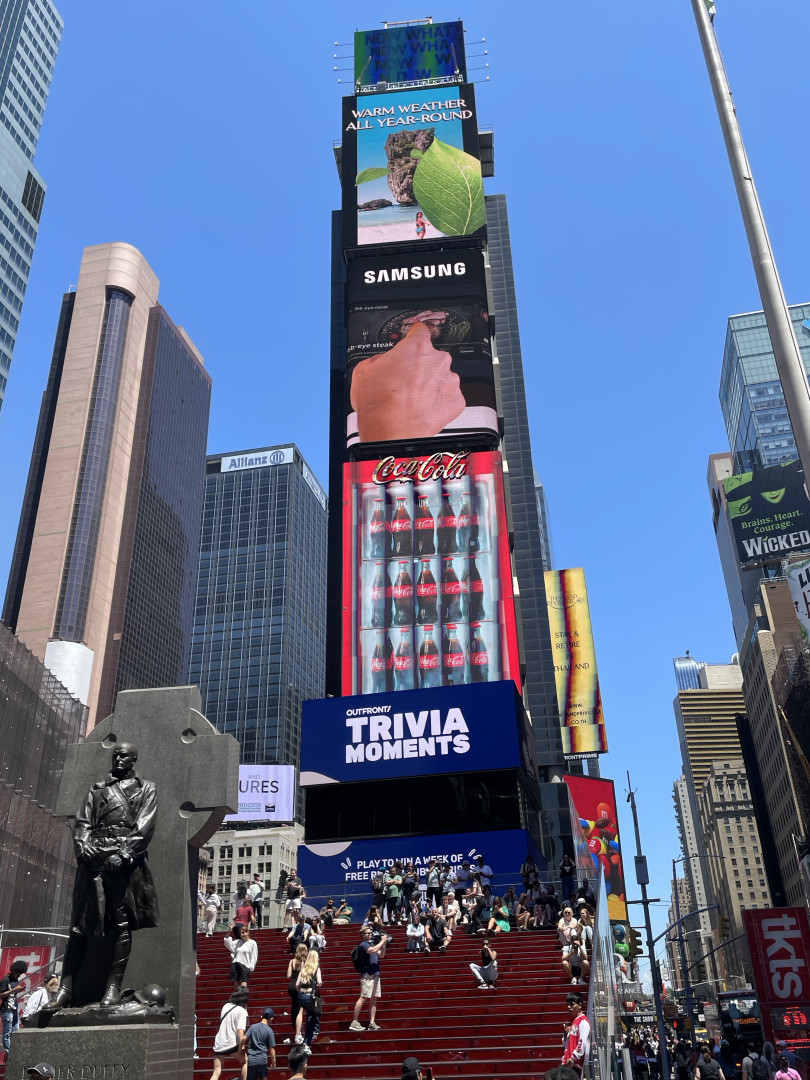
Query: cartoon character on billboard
(602, 836)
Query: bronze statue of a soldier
(114, 893)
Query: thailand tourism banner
(427, 577)
(769, 512)
(410, 166)
(419, 362)
(408, 53)
(578, 695)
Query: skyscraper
(103, 573)
(258, 647)
(30, 31)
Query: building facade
(259, 645)
(30, 32)
(102, 579)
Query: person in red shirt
(578, 1046)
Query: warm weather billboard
(595, 802)
(769, 512)
(407, 53)
(410, 166)
(419, 349)
(578, 695)
(427, 585)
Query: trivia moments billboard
(411, 166)
(578, 695)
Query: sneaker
(355, 1025)
(575, 982)
(307, 1049)
(300, 1038)
(374, 1027)
(483, 986)
(287, 1041)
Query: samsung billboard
(415, 733)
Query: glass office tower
(754, 411)
(259, 640)
(30, 31)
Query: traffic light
(725, 926)
(702, 973)
(634, 941)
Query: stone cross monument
(195, 772)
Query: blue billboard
(347, 868)
(449, 729)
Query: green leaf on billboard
(370, 174)
(417, 153)
(740, 507)
(774, 496)
(448, 187)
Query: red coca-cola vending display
(427, 579)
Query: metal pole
(788, 357)
(658, 991)
(687, 984)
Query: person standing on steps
(256, 895)
(578, 1044)
(260, 1042)
(370, 985)
(295, 897)
(211, 902)
(230, 1038)
(11, 986)
(487, 971)
(245, 953)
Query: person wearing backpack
(754, 1066)
(366, 960)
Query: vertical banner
(779, 944)
(411, 166)
(578, 693)
(595, 803)
(427, 582)
(798, 578)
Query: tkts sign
(393, 470)
(779, 943)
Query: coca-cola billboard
(427, 585)
(779, 944)
(419, 359)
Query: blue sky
(204, 137)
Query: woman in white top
(42, 996)
(211, 902)
(245, 953)
(232, 1027)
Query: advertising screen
(779, 944)
(411, 166)
(595, 802)
(770, 513)
(266, 793)
(414, 733)
(427, 579)
(419, 362)
(407, 53)
(578, 693)
(798, 579)
(351, 866)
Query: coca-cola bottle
(389, 597)
(473, 533)
(454, 668)
(427, 609)
(403, 663)
(378, 532)
(451, 593)
(388, 651)
(378, 664)
(446, 526)
(463, 523)
(403, 596)
(430, 672)
(424, 538)
(378, 601)
(402, 542)
(478, 655)
(475, 592)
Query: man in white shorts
(370, 985)
(295, 894)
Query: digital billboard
(419, 361)
(415, 733)
(578, 694)
(325, 868)
(798, 579)
(266, 793)
(411, 166)
(595, 803)
(779, 944)
(427, 578)
(408, 53)
(769, 512)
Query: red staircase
(430, 1007)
